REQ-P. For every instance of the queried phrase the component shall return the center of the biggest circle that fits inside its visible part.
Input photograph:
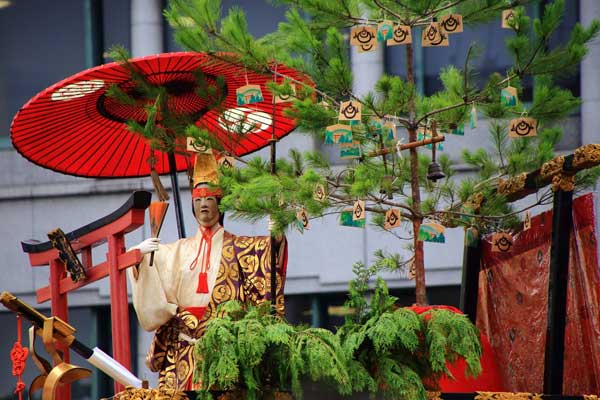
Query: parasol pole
(273, 147)
(176, 196)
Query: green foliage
(313, 38)
(394, 350)
(381, 348)
(260, 352)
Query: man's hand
(147, 246)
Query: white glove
(147, 246)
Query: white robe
(159, 290)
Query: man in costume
(189, 278)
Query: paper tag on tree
(473, 117)
(350, 150)
(385, 31)
(338, 134)
(319, 194)
(193, 146)
(389, 131)
(502, 242)
(226, 162)
(350, 110)
(432, 232)
(451, 23)
(392, 218)
(302, 217)
(401, 35)
(422, 135)
(527, 221)
(458, 130)
(507, 16)
(375, 127)
(471, 236)
(433, 36)
(522, 127)
(365, 37)
(285, 98)
(346, 220)
(359, 211)
(248, 94)
(509, 96)
(412, 271)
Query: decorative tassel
(18, 356)
(202, 283)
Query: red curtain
(512, 308)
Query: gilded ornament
(131, 393)
(552, 167)
(434, 395)
(512, 185)
(586, 156)
(507, 396)
(564, 182)
(477, 201)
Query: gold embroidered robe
(243, 273)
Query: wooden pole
(59, 308)
(562, 223)
(406, 146)
(176, 196)
(273, 240)
(419, 260)
(469, 288)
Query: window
(43, 42)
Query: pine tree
(315, 39)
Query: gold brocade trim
(552, 167)
(564, 182)
(434, 395)
(507, 396)
(131, 393)
(586, 156)
(477, 201)
(590, 397)
(512, 185)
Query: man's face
(206, 210)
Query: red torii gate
(110, 229)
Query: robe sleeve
(253, 255)
(154, 288)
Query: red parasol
(75, 128)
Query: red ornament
(18, 356)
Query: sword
(63, 332)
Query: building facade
(44, 42)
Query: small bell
(435, 172)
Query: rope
(18, 356)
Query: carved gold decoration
(512, 185)
(590, 397)
(564, 182)
(131, 393)
(586, 156)
(552, 167)
(477, 201)
(62, 373)
(448, 220)
(434, 395)
(507, 396)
